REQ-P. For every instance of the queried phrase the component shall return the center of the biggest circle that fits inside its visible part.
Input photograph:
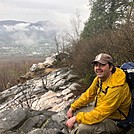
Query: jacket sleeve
(86, 97)
(110, 103)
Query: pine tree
(107, 14)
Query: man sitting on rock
(111, 94)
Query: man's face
(103, 71)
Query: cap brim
(99, 61)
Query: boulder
(11, 118)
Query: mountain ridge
(26, 38)
(10, 22)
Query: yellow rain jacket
(118, 96)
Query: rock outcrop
(38, 104)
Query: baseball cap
(103, 58)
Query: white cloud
(20, 26)
(57, 11)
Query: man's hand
(70, 122)
(70, 113)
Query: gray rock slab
(11, 118)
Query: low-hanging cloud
(58, 11)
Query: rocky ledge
(38, 104)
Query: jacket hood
(118, 78)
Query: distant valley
(19, 38)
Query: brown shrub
(11, 68)
(118, 43)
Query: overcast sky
(57, 11)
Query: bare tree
(56, 41)
(76, 28)
(60, 40)
(69, 37)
